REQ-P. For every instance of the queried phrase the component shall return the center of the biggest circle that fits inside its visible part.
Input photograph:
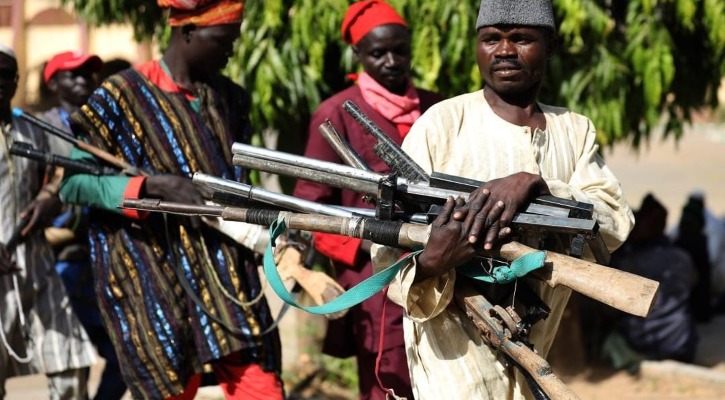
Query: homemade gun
(99, 153)
(26, 150)
(624, 291)
(415, 197)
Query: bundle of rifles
(406, 201)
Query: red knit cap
(203, 12)
(364, 16)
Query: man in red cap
(71, 77)
(175, 294)
(381, 43)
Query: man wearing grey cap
(39, 332)
(523, 149)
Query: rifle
(26, 150)
(386, 149)
(536, 217)
(99, 153)
(622, 290)
(248, 192)
(318, 285)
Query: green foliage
(628, 65)
(144, 15)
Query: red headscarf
(203, 12)
(364, 16)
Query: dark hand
(491, 208)
(448, 245)
(176, 189)
(173, 188)
(7, 266)
(40, 212)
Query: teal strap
(369, 287)
(356, 295)
(506, 273)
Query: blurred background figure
(691, 238)
(71, 78)
(669, 330)
(40, 332)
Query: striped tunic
(161, 336)
(56, 337)
(463, 136)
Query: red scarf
(400, 110)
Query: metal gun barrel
(245, 150)
(337, 175)
(268, 197)
(342, 147)
(385, 148)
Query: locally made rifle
(26, 150)
(342, 147)
(99, 153)
(500, 329)
(624, 291)
(244, 191)
(536, 218)
(386, 149)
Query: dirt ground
(664, 380)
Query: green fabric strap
(506, 273)
(356, 295)
(369, 287)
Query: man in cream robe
(469, 137)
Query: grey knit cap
(516, 12)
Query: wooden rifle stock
(483, 315)
(624, 291)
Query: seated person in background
(691, 238)
(669, 330)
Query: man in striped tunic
(174, 294)
(523, 149)
(40, 333)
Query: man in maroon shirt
(381, 42)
